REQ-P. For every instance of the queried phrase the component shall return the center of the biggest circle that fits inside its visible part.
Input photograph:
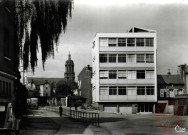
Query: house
(182, 100)
(172, 91)
(45, 87)
(84, 84)
(7, 57)
(124, 71)
(169, 86)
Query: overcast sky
(170, 20)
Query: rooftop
(39, 81)
(169, 79)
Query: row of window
(126, 90)
(126, 58)
(129, 74)
(5, 88)
(129, 42)
(6, 43)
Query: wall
(7, 57)
(84, 79)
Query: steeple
(69, 69)
(69, 57)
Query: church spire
(69, 69)
(69, 57)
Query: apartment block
(124, 71)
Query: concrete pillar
(153, 107)
(117, 108)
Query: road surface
(42, 122)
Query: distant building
(84, 84)
(183, 70)
(7, 57)
(124, 71)
(169, 86)
(182, 99)
(172, 91)
(69, 74)
(46, 88)
(31, 86)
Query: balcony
(127, 98)
(126, 49)
(127, 65)
(127, 81)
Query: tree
(36, 22)
(39, 21)
(63, 89)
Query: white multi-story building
(124, 71)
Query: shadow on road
(111, 119)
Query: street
(43, 122)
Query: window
(130, 42)
(112, 58)
(122, 74)
(149, 58)
(79, 84)
(131, 74)
(6, 43)
(140, 58)
(149, 42)
(103, 90)
(103, 42)
(112, 74)
(131, 58)
(122, 58)
(149, 74)
(140, 90)
(112, 42)
(121, 41)
(9, 89)
(140, 42)
(140, 74)
(131, 90)
(103, 58)
(6, 92)
(150, 90)
(121, 90)
(1, 88)
(112, 90)
(103, 74)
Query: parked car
(32, 103)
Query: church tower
(69, 69)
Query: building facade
(170, 86)
(84, 84)
(7, 57)
(44, 89)
(124, 71)
(182, 99)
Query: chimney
(169, 73)
(181, 70)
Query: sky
(168, 18)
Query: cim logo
(179, 129)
